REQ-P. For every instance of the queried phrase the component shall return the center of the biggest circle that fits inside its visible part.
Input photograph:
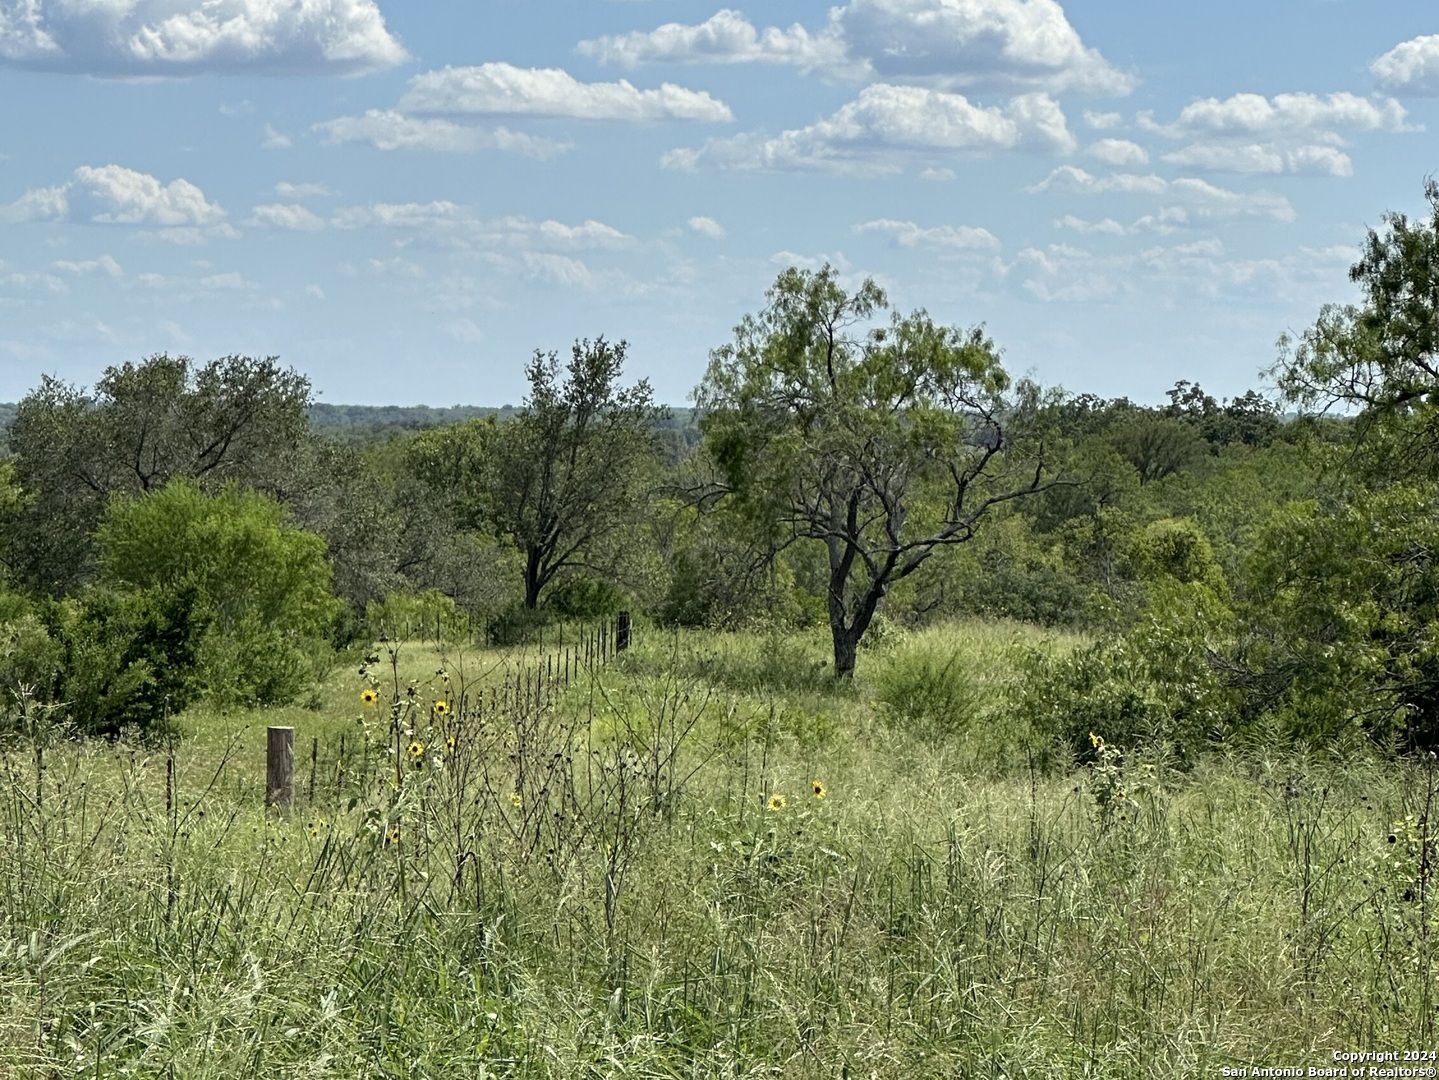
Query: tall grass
(669, 895)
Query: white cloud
(1105, 226)
(909, 235)
(1191, 196)
(1254, 114)
(315, 291)
(1009, 45)
(397, 215)
(105, 264)
(503, 89)
(275, 140)
(1288, 133)
(287, 216)
(115, 195)
(937, 175)
(453, 225)
(1118, 152)
(727, 37)
(189, 37)
(990, 44)
(559, 270)
(388, 129)
(1173, 274)
(1263, 158)
(866, 134)
(121, 196)
(229, 280)
(1102, 121)
(707, 226)
(37, 204)
(1411, 68)
(300, 191)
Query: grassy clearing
(643, 881)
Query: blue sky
(403, 201)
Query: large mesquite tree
(883, 442)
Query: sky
(404, 201)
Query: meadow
(704, 857)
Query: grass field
(702, 859)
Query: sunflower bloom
(776, 802)
(515, 800)
(417, 750)
(369, 695)
(442, 708)
(818, 788)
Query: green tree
(142, 426)
(883, 443)
(261, 584)
(1380, 357)
(563, 478)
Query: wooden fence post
(622, 632)
(280, 768)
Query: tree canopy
(884, 443)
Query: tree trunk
(846, 645)
(532, 580)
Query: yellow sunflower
(369, 695)
(442, 708)
(818, 788)
(417, 750)
(776, 802)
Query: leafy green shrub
(1342, 629)
(1152, 685)
(418, 615)
(261, 585)
(128, 659)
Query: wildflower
(392, 834)
(417, 750)
(1095, 741)
(818, 788)
(441, 708)
(450, 745)
(776, 802)
(515, 800)
(369, 695)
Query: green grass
(943, 911)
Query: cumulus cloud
(1190, 196)
(1104, 226)
(707, 226)
(909, 235)
(727, 37)
(1010, 45)
(115, 195)
(1118, 152)
(388, 129)
(287, 216)
(503, 89)
(105, 264)
(275, 140)
(991, 44)
(1411, 68)
(884, 121)
(1288, 133)
(188, 37)
(1264, 158)
(1254, 114)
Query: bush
(1152, 685)
(260, 585)
(417, 615)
